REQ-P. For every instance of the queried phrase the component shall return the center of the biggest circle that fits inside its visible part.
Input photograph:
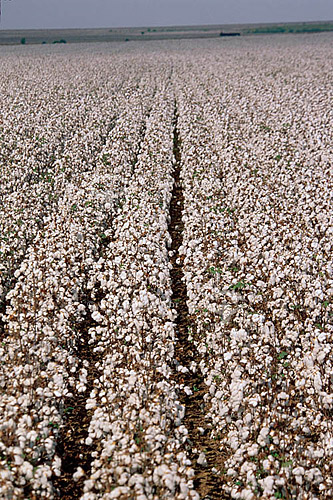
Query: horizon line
(169, 25)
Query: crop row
(136, 430)
(256, 258)
(55, 215)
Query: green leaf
(53, 425)
(238, 286)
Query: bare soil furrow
(208, 484)
(71, 446)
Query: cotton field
(166, 275)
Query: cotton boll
(96, 316)
(78, 474)
(202, 460)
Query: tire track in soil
(206, 483)
(71, 447)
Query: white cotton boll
(212, 389)
(298, 471)
(169, 482)
(184, 490)
(242, 334)
(261, 284)
(187, 391)
(27, 470)
(308, 362)
(266, 464)
(317, 382)
(119, 492)
(81, 387)
(254, 401)
(262, 438)
(136, 306)
(202, 460)
(32, 436)
(219, 395)
(247, 495)
(96, 316)
(321, 357)
(319, 293)
(268, 485)
(310, 474)
(236, 374)
(89, 441)
(49, 444)
(56, 466)
(248, 418)
(235, 494)
(136, 479)
(18, 460)
(277, 293)
(162, 277)
(88, 485)
(322, 337)
(78, 474)
(132, 380)
(123, 479)
(144, 298)
(253, 450)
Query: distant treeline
(292, 28)
(229, 34)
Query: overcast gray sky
(112, 13)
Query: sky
(25, 14)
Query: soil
(207, 483)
